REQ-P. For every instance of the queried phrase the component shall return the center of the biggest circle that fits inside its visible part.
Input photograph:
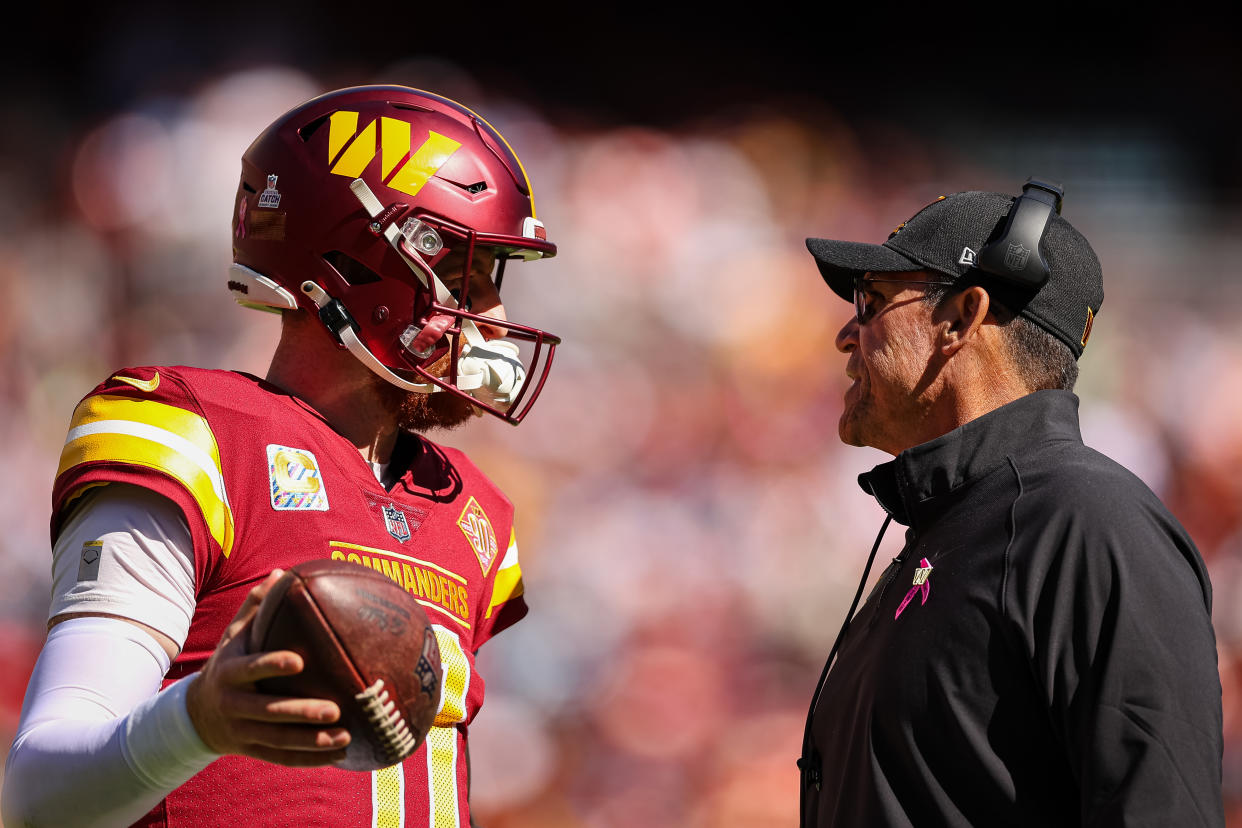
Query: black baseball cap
(947, 236)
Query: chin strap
(334, 315)
(414, 261)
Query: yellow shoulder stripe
(159, 436)
(508, 582)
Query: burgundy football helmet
(346, 206)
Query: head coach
(1041, 651)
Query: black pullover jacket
(1040, 653)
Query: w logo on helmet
(350, 151)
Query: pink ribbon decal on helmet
(241, 218)
(921, 586)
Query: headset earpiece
(1016, 256)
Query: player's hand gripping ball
(367, 645)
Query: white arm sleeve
(126, 551)
(96, 744)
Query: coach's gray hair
(1042, 361)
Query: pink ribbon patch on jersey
(921, 586)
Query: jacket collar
(904, 485)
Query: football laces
(387, 722)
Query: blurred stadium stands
(690, 526)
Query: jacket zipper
(890, 574)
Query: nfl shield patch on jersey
(394, 521)
(295, 479)
(400, 519)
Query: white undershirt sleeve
(126, 551)
(97, 745)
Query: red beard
(424, 412)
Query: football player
(378, 221)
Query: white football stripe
(511, 556)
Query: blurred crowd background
(691, 528)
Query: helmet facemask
(501, 375)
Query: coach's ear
(960, 317)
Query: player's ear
(960, 317)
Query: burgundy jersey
(264, 482)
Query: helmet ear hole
(351, 270)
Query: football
(367, 645)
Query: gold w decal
(350, 151)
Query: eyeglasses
(864, 309)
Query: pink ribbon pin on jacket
(920, 586)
